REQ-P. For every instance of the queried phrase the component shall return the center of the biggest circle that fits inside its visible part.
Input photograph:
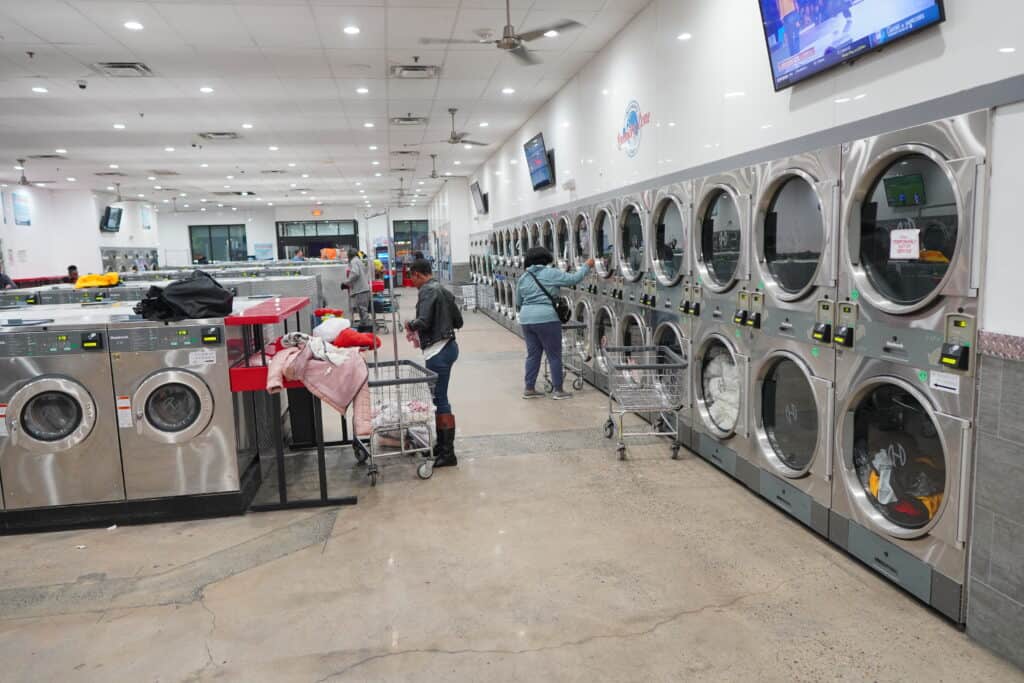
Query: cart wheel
(609, 429)
(577, 383)
(425, 470)
(548, 387)
(622, 452)
(373, 478)
(360, 454)
(675, 452)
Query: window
(410, 237)
(218, 243)
(312, 236)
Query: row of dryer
(827, 304)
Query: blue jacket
(533, 305)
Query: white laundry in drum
(722, 391)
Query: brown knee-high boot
(444, 453)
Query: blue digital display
(806, 37)
(541, 174)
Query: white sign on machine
(905, 244)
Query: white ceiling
(285, 66)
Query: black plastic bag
(197, 296)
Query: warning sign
(905, 245)
(3, 419)
(124, 412)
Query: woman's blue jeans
(441, 364)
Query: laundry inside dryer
(794, 235)
(908, 231)
(720, 383)
(898, 456)
(790, 415)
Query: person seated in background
(72, 277)
(298, 256)
(6, 282)
(201, 259)
(135, 269)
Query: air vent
(215, 136)
(409, 120)
(273, 171)
(112, 174)
(163, 172)
(123, 69)
(47, 156)
(402, 169)
(240, 193)
(415, 71)
(405, 153)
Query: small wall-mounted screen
(111, 221)
(541, 173)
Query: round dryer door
(604, 336)
(631, 239)
(547, 238)
(50, 414)
(172, 406)
(565, 261)
(581, 335)
(604, 238)
(720, 239)
(632, 332)
(793, 237)
(789, 427)
(669, 242)
(721, 393)
(581, 234)
(909, 224)
(895, 456)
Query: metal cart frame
(572, 361)
(648, 381)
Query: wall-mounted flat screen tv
(806, 37)
(479, 199)
(111, 221)
(539, 162)
(905, 190)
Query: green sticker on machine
(815, 352)
(923, 375)
(739, 335)
(760, 285)
(855, 294)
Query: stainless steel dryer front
(58, 429)
(176, 418)
(672, 332)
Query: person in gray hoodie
(358, 285)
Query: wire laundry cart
(574, 335)
(647, 381)
(402, 411)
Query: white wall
(453, 219)
(1001, 311)
(65, 230)
(684, 84)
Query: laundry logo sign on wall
(635, 121)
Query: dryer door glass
(790, 415)
(605, 239)
(604, 330)
(564, 248)
(632, 235)
(547, 239)
(580, 335)
(720, 238)
(535, 236)
(173, 407)
(720, 382)
(794, 235)
(668, 240)
(51, 416)
(582, 240)
(908, 230)
(898, 456)
(632, 332)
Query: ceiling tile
(205, 24)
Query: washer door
(793, 413)
(902, 460)
(50, 414)
(604, 336)
(631, 243)
(671, 337)
(669, 242)
(792, 237)
(564, 245)
(720, 386)
(172, 406)
(604, 240)
(582, 336)
(721, 240)
(632, 331)
(581, 234)
(547, 238)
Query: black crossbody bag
(560, 306)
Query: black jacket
(437, 314)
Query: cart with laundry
(650, 382)
(574, 355)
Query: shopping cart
(402, 411)
(574, 355)
(649, 381)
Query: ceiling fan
(25, 181)
(433, 169)
(460, 138)
(510, 41)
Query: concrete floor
(541, 557)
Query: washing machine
(671, 331)
(605, 333)
(720, 301)
(583, 315)
(58, 427)
(175, 414)
(564, 257)
(901, 494)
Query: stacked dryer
(795, 248)
(913, 211)
(726, 315)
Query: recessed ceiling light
(467, 146)
(167, 201)
(362, 91)
(273, 148)
(203, 208)
(447, 172)
(351, 30)
(227, 187)
(203, 200)
(362, 191)
(133, 26)
(152, 177)
(60, 151)
(182, 194)
(512, 162)
(247, 125)
(19, 167)
(245, 194)
(861, 96)
(303, 192)
(293, 185)
(140, 195)
(1007, 50)
(375, 163)
(319, 203)
(305, 175)
(229, 177)
(358, 183)
(551, 34)
(206, 90)
(508, 91)
(158, 187)
(113, 166)
(421, 182)
(671, 124)
(234, 208)
(378, 174)
(842, 100)
(71, 180)
(291, 164)
(734, 94)
(40, 184)
(168, 149)
(40, 89)
(186, 206)
(270, 203)
(220, 206)
(119, 126)
(110, 188)
(204, 166)
(368, 124)
(458, 163)
(767, 126)
(373, 148)
(259, 199)
(684, 36)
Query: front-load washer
(911, 257)
(901, 494)
(175, 411)
(605, 334)
(630, 237)
(792, 409)
(583, 337)
(58, 430)
(669, 332)
(721, 377)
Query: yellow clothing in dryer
(96, 280)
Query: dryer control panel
(165, 338)
(36, 344)
(846, 325)
(824, 322)
(959, 338)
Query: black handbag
(560, 305)
(194, 297)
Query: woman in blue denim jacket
(541, 327)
